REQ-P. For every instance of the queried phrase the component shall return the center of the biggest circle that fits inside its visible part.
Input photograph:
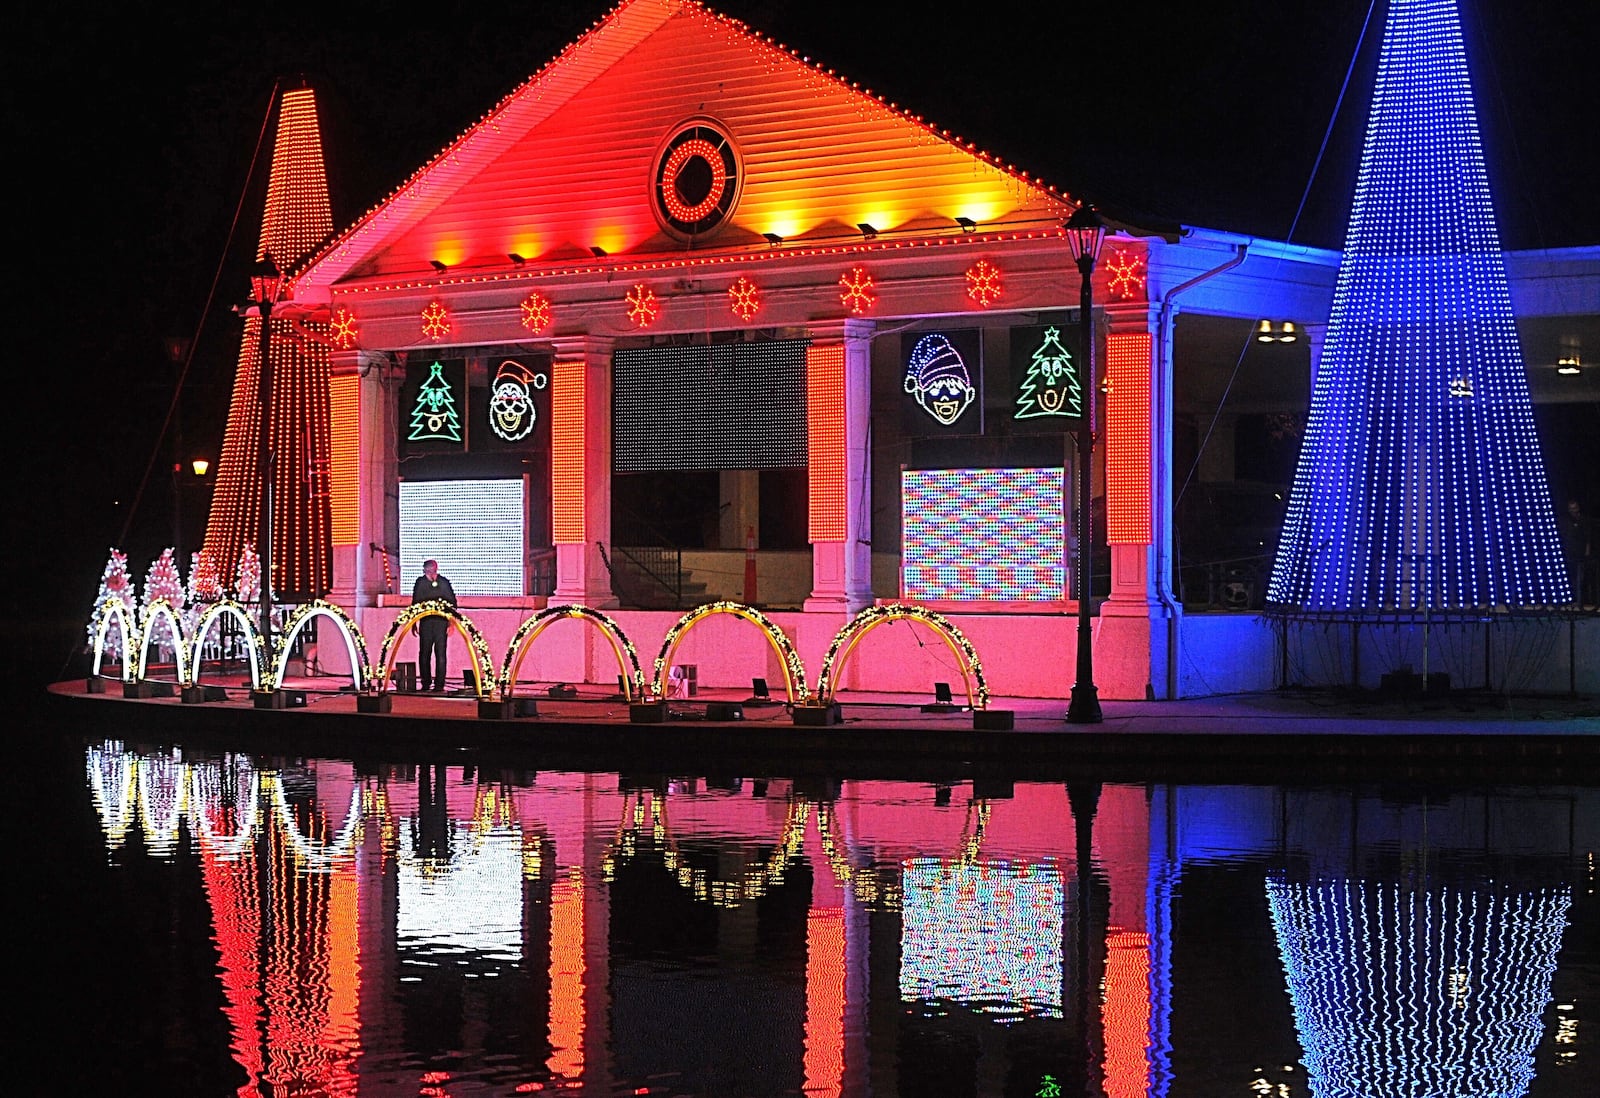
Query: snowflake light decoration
(643, 306)
(983, 283)
(744, 298)
(536, 312)
(345, 330)
(857, 295)
(435, 321)
(1124, 273)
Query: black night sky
(132, 136)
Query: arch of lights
(161, 608)
(794, 672)
(311, 853)
(528, 632)
(866, 621)
(206, 784)
(252, 636)
(368, 676)
(354, 643)
(753, 883)
(130, 632)
(477, 647)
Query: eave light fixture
(1569, 364)
(967, 224)
(1268, 332)
(519, 260)
(772, 238)
(438, 267)
(868, 231)
(597, 251)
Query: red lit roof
(566, 162)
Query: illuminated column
(363, 470)
(839, 394)
(580, 469)
(1131, 651)
(1316, 335)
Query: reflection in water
(1436, 990)
(422, 929)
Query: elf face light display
(983, 535)
(1420, 484)
(937, 378)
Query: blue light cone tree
(1420, 483)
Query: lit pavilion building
(686, 316)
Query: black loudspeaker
(563, 690)
(653, 712)
(294, 699)
(759, 694)
(374, 703)
(943, 701)
(469, 681)
(525, 707)
(818, 715)
(268, 699)
(724, 711)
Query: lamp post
(266, 284)
(1085, 234)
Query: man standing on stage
(433, 633)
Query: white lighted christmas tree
(249, 574)
(163, 582)
(1051, 386)
(1420, 483)
(434, 415)
(115, 586)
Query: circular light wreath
(696, 182)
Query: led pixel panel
(993, 535)
(986, 934)
(709, 406)
(473, 528)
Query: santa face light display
(937, 377)
(511, 411)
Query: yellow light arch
(794, 672)
(528, 632)
(477, 647)
(866, 621)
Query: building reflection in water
(406, 928)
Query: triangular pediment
(580, 158)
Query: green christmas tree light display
(1051, 387)
(434, 417)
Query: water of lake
(218, 922)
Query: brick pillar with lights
(363, 470)
(839, 395)
(580, 469)
(1134, 640)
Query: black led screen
(716, 406)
